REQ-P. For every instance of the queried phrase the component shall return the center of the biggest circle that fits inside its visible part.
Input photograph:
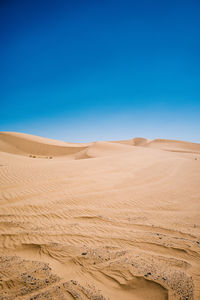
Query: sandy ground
(104, 220)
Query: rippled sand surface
(105, 220)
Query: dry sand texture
(104, 220)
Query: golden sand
(105, 220)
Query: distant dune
(104, 220)
(169, 145)
(172, 145)
(134, 142)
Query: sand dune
(163, 144)
(134, 142)
(176, 146)
(20, 143)
(99, 149)
(104, 220)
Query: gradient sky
(100, 70)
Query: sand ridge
(103, 220)
(25, 144)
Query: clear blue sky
(99, 70)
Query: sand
(105, 220)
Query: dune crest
(103, 220)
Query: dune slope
(25, 144)
(122, 223)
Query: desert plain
(116, 220)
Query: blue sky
(100, 70)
